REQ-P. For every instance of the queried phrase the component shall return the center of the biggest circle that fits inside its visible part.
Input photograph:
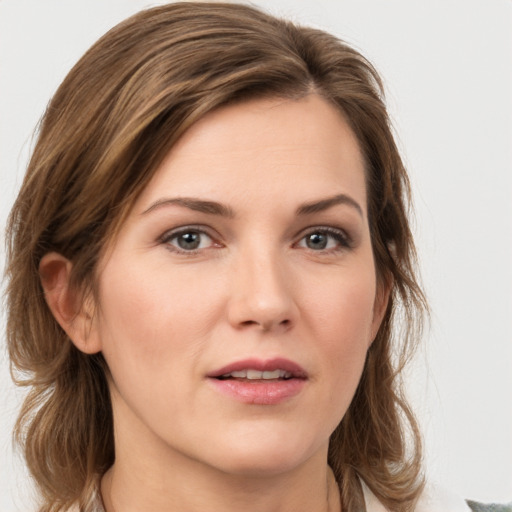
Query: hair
(105, 132)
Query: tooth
(258, 375)
(254, 374)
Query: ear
(75, 316)
(380, 305)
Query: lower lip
(259, 392)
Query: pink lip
(260, 392)
(268, 365)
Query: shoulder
(435, 498)
(490, 507)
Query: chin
(264, 457)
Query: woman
(205, 264)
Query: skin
(259, 285)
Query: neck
(149, 474)
(134, 485)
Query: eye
(324, 239)
(188, 240)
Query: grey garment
(489, 507)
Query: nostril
(266, 326)
(249, 322)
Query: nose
(261, 294)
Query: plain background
(447, 65)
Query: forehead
(262, 150)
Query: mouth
(256, 369)
(252, 374)
(259, 382)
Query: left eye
(189, 240)
(321, 240)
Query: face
(238, 302)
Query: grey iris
(189, 241)
(316, 241)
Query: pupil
(317, 241)
(189, 240)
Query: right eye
(188, 240)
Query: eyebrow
(215, 208)
(325, 204)
(192, 203)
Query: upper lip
(262, 365)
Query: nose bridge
(262, 293)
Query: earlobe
(74, 316)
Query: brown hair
(111, 122)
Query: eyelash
(167, 237)
(343, 240)
(340, 236)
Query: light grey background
(447, 65)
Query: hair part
(105, 132)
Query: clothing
(491, 507)
(433, 499)
(437, 499)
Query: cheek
(150, 314)
(341, 314)
(343, 308)
(130, 305)
(147, 336)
